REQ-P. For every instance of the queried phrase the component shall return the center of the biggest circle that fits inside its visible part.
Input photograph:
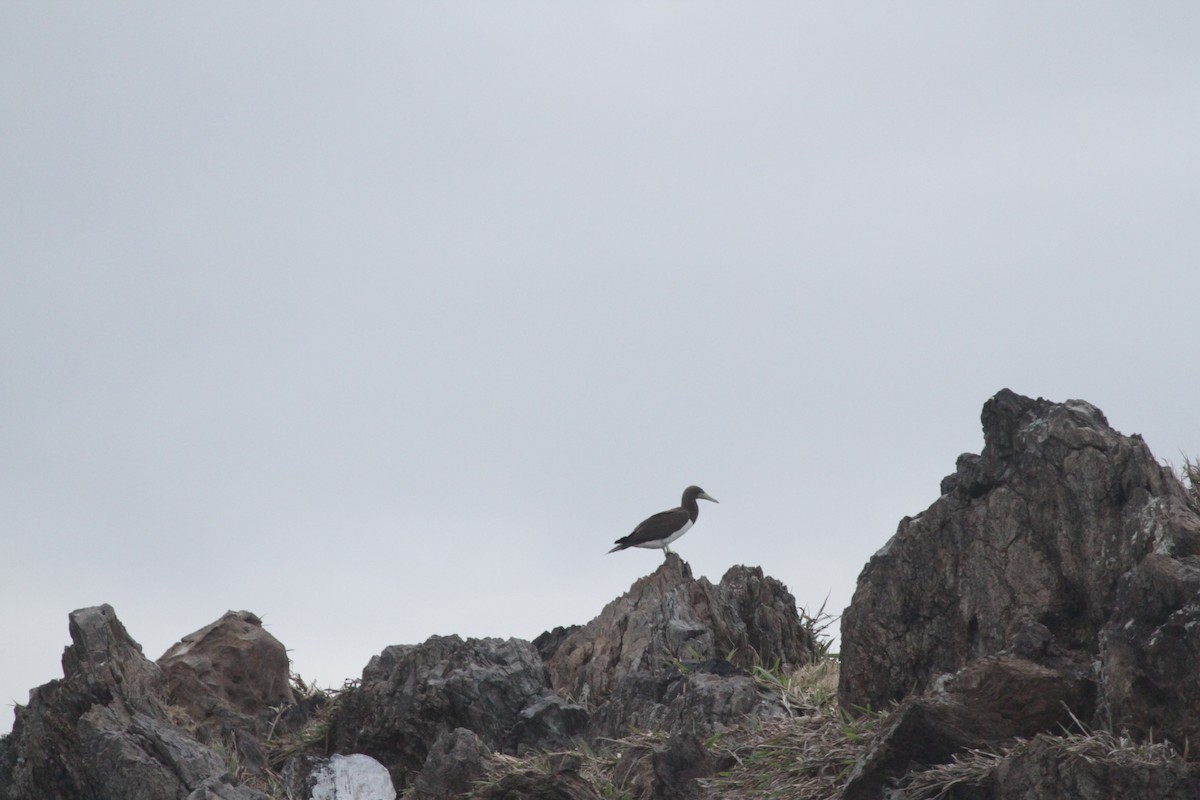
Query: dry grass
(313, 737)
(596, 765)
(809, 756)
(975, 767)
(1189, 475)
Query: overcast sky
(384, 321)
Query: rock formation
(653, 659)
(669, 616)
(413, 694)
(1063, 547)
(106, 730)
(1034, 634)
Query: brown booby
(666, 526)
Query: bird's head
(696, 493)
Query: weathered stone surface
(103, 731)
(1038, 528)
(988, 703)
(1150, 652)
(455, 762)
(232, 667)
(352, 777)
(670, 616)
(701, 697)
(412, 694)
(547, 644)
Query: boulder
(230, 669)
(1038, 528)
(411, 695)
(352, 777)
(669, 616)
(105, 731)
(455, 762)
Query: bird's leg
(666, 551)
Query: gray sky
(385, 320)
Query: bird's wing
(659, 526)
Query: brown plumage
(666, 526)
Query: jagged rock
(1150, 651)
(455, 762)
(412, 694)
(547, 644)
(1036, 529)
(230, 668)
(104, 730)
(669, 616)
(701, 697)
(352, 777)
(988, 703)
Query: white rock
(354, 777)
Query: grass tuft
(975, 767)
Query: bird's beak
(707, 496)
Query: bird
(666, 526)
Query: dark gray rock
(455, 762)
(702, 699)
(1150, 652)
(547, 644)
(411, 695)
(1037, 529)
(104, 730)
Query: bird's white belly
(669, 539)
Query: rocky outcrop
(1035, 633)
(1062, 564)
(669, 617)
(412, 694)
(106, 731)
(445, 718)
(654, 659)
(1039, 528)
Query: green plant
(817, 626)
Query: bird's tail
(620, 546)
